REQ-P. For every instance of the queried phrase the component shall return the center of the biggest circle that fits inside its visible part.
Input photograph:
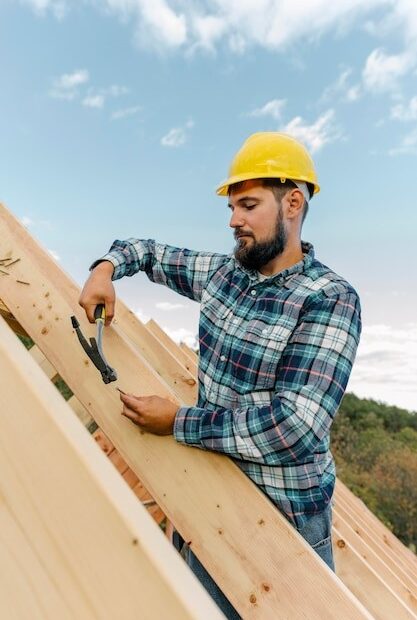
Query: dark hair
(279, 190)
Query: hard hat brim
(223, 188)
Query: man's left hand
(151, 413)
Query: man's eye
(250, 207)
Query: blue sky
(119, 118)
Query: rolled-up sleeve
(184, 271)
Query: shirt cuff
(187, 426)
(118, 264)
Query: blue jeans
(317, 532)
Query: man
(278, 335)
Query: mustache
(240, 233)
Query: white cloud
(240, 24)
(404, 112)
(168, 306)
(142, 316)
(272, 108)
(207, 29)
(275, 25)
(54, 255)
(115, 90)
(342, 89)
(386, 365)
(59, 8)
(93, 101)
(72, 80)
(164, 23)
(272, 24)
(353, 93)
(182, 335)
(383, 71)
(177, 136)
(66, 86)
(316, 135)
(96, 98)
(26, 221)
(407, 146)
(125, 112)
(157, 24)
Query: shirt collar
(278, 278)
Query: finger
(89, 310)
(131, 410)
(109, 305)
(131, 400)
(132, 416)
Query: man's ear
(295, 203)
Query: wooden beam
(161, 358)
(74, 541)
(129, 476)
(163, 337)
(42, 362)
(189, 352)
(369, 539)
(395, 589)
(262, 564)
(386, 538)
(51, 372)
(11, 321)
(366, 584)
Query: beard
(257, 254)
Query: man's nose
(236, 221)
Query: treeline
(375, 448)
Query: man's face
(258, 225)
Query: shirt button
(265, 331)
(253, 292)
(223, 358)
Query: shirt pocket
(256, 353)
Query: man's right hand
(99, 289)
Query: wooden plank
(80, 411)
(362, 519)
(406, 578)
(66, 512)
(11, 321)
(372, 560)
(366, 584)
(361, 522)
(189, 352)
(386, 537)
(262, 556)
(163, 337)
(42, 362)
(174, 373)
(50, 371)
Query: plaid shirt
(275, 357)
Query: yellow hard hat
(270, 154)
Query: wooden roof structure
(262, 564)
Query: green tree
(394, 484)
